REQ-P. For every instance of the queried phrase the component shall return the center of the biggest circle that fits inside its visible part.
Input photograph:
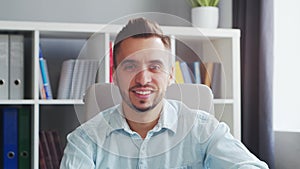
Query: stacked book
(76, 76)
(15, 130)
(50, 150)
(209, 73)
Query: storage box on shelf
(63, 41)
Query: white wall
(100, 11)
(287, 66)
(87, 11)
(286, 104)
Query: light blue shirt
(182, 139)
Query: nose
(143, 77)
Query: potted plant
(205, 13)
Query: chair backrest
(101, 96)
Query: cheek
(124, 82)
(162, 80)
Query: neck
(142, 122)
(142, 128)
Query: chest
(157, 152)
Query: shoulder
(186, 112)
(96, 128)
(202, 124)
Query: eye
(155, 68)
(129, 67)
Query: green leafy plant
(196, 3)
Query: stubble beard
(126, 99)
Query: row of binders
(50, 149)
(15, 138)
(11, 66)
(209, 74)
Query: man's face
(143, 72)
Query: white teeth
(143, 92)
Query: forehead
(134, 47)
(147, 56)
(141, 61)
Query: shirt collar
(168, 119)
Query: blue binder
(10, 138)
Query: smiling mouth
(143, 92)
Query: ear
(171, 76)
(115, 79)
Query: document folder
(10, 138)
(4, 63)
(16, 50)
(24, 137)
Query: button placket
(143, 154)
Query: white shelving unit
(222, 45)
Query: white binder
(4, 63)
(16, 67)
(65, 80)
(77, 79)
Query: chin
(142, 109)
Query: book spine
(111, 62)
(178, 73)
(65, 79)
(16, 67)
(45, 76)
(52, 149)
(41, 87)
(85, 74)
(46, 150)
(197, 72)
(58, 145)
(209, 66)
(10, 138)
(186, 72)
(4, 67)
(42, 160)
(216, 82)
(92, 74)
(24, 138)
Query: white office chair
(101, 96)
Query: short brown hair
(139, 28)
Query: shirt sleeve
(78, 152)
(224, 151)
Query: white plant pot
(205, 17)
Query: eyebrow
(158, 61)
(128, 61)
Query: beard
(155, 102)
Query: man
(146, 130)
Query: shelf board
(14, 102)
(223, 101)
(78, 101)
(61, 102)
(51, 28)
(196, 33)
